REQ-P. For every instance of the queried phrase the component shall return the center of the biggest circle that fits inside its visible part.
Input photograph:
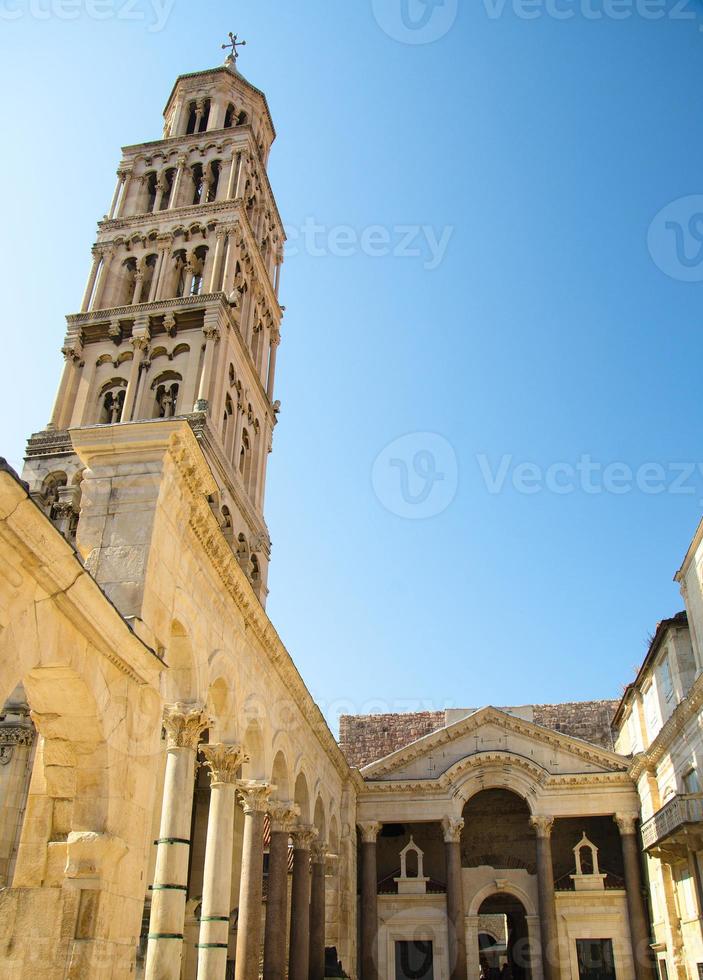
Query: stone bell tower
(180, 317)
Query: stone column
(547, 904)
(318, 856)
(283, 818)
(455, 898)
(369, 902)
(140, 343)
(533, 938)
(72, 360)
(299, 952)
(275, 341)
(90, 285)
(232, 178)
(639, 925)
(184, 724)
(107, 256)
(212, 335)
(119, 210)
(254, 797)
(115, 196)
(223, 761)
(473, 959)
(177, 181)
(213, 285)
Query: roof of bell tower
(232, 75)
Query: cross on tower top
(234, 43)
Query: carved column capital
(223, 761)
(318, 851)
(627, 822)
(303, 837)
(254, 795)
(369, 831)
(72, 351)
(284, 816)
(452, 828)
(184, 724)
(542, 825)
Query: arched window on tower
(112, 396)
(245, 457)
(242, 118)
(198, 259)
(148, 269)
(228, 426)
(179, 272)
(166, 389)
(198, 183)
(192, 116)
(150, 191)
(215, 171)
(168, 179)
(229, 116)
(205, 116)
(127, 283)
(50, 492)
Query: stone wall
(366, 738)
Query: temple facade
(173, 803)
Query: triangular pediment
(494, 732)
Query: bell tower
(180, 316)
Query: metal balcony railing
(673, 816)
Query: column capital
(452, 828)
(72, 350)
(542, 825)
(303, 837)
(254, 795)
(626, 822)
(223, 761)
(369, 831)
(184, 724)
(284, 816)
(318, 851)
(211, 330)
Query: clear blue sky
(545, 334)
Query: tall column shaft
(72, 359)
(184, 725)
(456, 925)
(283, 818)
(299, 953)
(140, 340)
(254, 798)
(547, 903)
(90, 285)
(316, 969)
(212, 335)
(224, 762)
(369, 902)
(639, 926)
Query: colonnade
(184, 727)
(543, 932)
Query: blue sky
(557, 323)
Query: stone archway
(512, 958)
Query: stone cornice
(445, 783)
(189, 461)
(509, 723)
(684, 712)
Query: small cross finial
(234, 43)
